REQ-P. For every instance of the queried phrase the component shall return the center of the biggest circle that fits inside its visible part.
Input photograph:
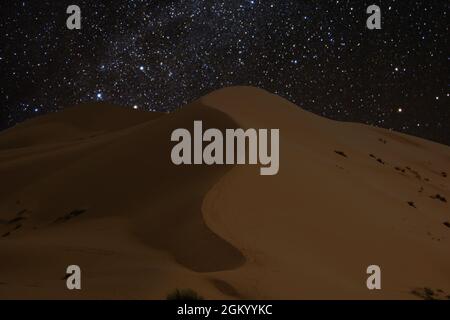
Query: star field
(160, 55)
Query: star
(166, 54)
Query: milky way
(160, 55)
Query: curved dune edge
(347, 196)
(182, 228)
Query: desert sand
(94, 186)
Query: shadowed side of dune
(173, 220)
(132, 176)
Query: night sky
(160, 55)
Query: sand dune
(94, 185)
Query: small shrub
(439, 197)
(184, 294)
(341, 153)
(412, 204)
(428, 292)
(424, 293)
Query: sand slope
(94, 186)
